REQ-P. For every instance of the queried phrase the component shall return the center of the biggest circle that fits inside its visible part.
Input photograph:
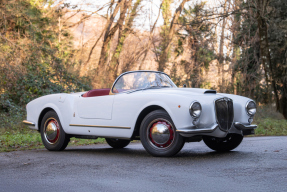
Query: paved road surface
(258, 164)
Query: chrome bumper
(193, 130)
(29, 123)
(243, 127)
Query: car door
(99, 107)
(94, 117)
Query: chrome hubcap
(52, 131)
(161, 133)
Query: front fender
(63, 109)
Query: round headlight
(251, 108)
(195, 109)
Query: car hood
(182, 91)
(190, 92)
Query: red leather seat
(97, 92)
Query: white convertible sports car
(146, 106)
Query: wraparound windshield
(142, 80)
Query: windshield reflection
(142, 80)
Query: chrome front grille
(224, 113)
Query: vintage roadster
(145, 106)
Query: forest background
(52, 46)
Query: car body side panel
(95, 107)
(126, 108)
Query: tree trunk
(264, 46)
(236, 50)
(108, 34)
(113, 66)
(283, 102)
(164, 55)
(221, 73)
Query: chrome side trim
(193, 130)
(242, 126)
(99, 126)
(29, 123)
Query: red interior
(97, 92)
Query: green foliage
(198, 34)
(269, 126)
(250, 63)
(11, 115)
(75, 141)
(37, 58)
(21, 138)
(205, 85)
(166, 14)
(248, 68)
(278, 49)
(270, 122)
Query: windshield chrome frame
(112, 93)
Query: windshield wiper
(150, 87)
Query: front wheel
(117, 143)
(53, 136)
(158, 135)
(230, 142)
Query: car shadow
(109, 151)
(196, 153)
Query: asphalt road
(258, 164)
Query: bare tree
(235, 48)
(221, 71)
(109, 32)
(261, 6)
(124, 31)
(164, 55)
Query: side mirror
(184, 85)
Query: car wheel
(230, 142)
(158, 135)
(117, 143)
(53, 136)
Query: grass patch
(270, 122)
(76, 141)
(16, 136)
(25, 139)
(19, 140)
(271, 127)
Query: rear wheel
(158, 135)
(53, 136)
(230, 142)
(117, 143)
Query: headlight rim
(190, 108)
(246, 109)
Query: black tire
(171, 143)
(53, 136)
(230, 142)
(117, 143)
